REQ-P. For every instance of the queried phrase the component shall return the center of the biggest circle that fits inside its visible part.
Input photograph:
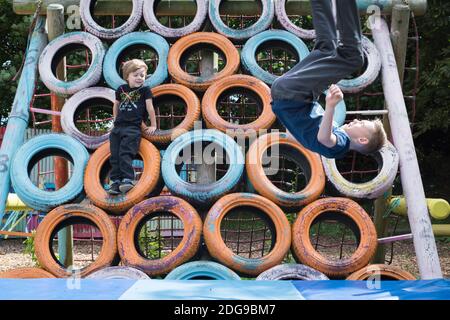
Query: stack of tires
(200, 207)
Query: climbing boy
(296, 93)
(132, 106)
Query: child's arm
(115, 109)
(325, 135)
(151, 116)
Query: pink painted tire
(74, 104)
(173, 33)
(283, 19)
(91, 26)
(57, 48)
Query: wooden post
(55, 28)
(399, 37)
(232, 7)
(18, 118)
(424, 242)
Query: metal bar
(230, 7)
(368, 112)
(45, 111)
(424, 242)
(18, 118)
(16, 233)
(395, 238)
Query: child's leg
(114, 160)
(129, 147)
(348, 22)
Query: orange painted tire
(383, 271)
(65, 215)
(186, 249)
(259, 180)
(26, 273)
(217, 247)
(206, 39)
(193, 111)
(211, 97)
(304, 251)
(120, 203)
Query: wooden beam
(232, 7)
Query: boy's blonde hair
(131, 66)
(377, 140)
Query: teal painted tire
(250, 48)
(153, 40)
(202, 270)
(202, 194)
(38, 148)
(264, 21)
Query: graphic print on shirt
(127, 100)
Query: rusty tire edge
(304, 251)
(183, 252)
(262, 184)
(26, 273)
(375, 270)
(217, 247)
(60, 214)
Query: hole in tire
(239, 105)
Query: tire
(283, 19)
(202, 269)
(248, 54)
(369, 75)
(309, 161)
(63, 44)
(173, 33)
(304, 251)
(64, 215)
(291, 271)
(73, 106)
(193, 112)
(153, 40)
(86, 6)
(26, 273)
(206, 39)
(387, 158)
(380, 271)
(120, 203)
(215, 121)
(217, 247)
(202, 194)
(184, 251)
(116, 273)
(262, 24)
(40, 147)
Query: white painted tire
(104, 33)
(120, 272)
(57, 49)
(70, 109)
(286, 23)
(387, 158)
(292, 271)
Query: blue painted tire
(202, 269)
(262, 24)
(202, 194)
(150, 39)
(172, 33)
(42, 146)
(369, 75)
(250, 48)
(57, 49)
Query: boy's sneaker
(114, 188)
(126, 185)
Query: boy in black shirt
(132, 106)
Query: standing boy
(132, 106)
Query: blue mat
(90, 289)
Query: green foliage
(29, 248)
